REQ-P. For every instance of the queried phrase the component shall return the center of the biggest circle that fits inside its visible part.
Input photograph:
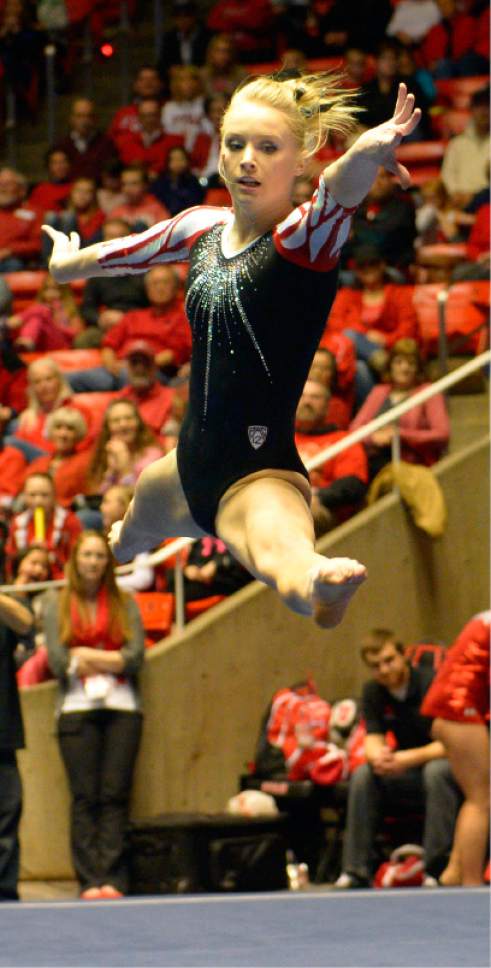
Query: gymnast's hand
(64, 248)
(380, 143)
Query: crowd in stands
(94, 376)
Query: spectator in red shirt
(154, 401)
(448, 48)
(83, 216)
(56, 528)
(139, 209)
(150, 145)
(147, 84)
(340, 484)
(88, 149)
(51, 195)
(47, 390)
(478, 249)
(424, 431)
(65, 429)
(377, 314)
(20, 224)
(163, 326)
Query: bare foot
(334, 582)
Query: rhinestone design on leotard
(214, 296)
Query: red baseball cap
(138, 346)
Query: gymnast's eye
(234, 144)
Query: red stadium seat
(26, 284)
(457, 91)
(69, 360)
(193, 609)
(420, 152)
(97, 403)
(422, 158)
(466, 316)
(157, 614)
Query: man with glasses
(415, 775)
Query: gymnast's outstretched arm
(350, 177)
(167, 241)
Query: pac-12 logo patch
(257, 435)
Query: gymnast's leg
(267, 525)
(158, 510)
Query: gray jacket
(132, 651)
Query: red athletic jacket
(463, 35)
(165, 329)
(397, 320)
(20, 231)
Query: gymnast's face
(260, 157)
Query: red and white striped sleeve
(313, 234)
(169, 241)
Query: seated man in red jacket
(153, 400)
(20, 224)
(150, 144)
(339, 484)
(375, 314)
(163, 326)
(43, 521)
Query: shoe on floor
(110, 893)
(349, 882)
(430, 881)
(91, 894)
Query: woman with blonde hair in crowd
(51, 322)
(47, 389)
(66, 428)
(125, 446)
(261, 282)
(94, 638)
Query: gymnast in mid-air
(262, 278)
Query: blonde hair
(315, 105)
(68, 416)
(29, 416)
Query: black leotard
(257, 318)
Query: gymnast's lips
(246, 182)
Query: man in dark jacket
(15, 620)
(415, 774)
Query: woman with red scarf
(95, 648)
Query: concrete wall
(204, 690)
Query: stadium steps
(99, 79)
(469, 419)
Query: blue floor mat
(440, 927)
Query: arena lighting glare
(107, 50)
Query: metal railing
(390, 417)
